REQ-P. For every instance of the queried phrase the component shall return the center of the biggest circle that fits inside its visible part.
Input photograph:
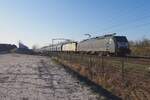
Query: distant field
(142, 51)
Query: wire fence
(128, 78)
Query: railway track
(139, 57)
(128, 56)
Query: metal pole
(102, 64)
(122, 63)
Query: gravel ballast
(27, 77)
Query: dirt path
(25, 77)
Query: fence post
(91, 61)
(102, 64)
(70, 57)
(122, 66)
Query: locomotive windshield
(121, 39)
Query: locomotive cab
(122, 45)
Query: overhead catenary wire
(128, 23)
(106, 30)
(122, 13)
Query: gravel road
(26, 77)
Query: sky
(37, 22)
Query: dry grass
(132, 84)
(142, 51)
(140, 47)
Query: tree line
(140, 47)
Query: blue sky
(38, 21)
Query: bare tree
(35, 47)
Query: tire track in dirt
(26, 77)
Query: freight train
(103, 45)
